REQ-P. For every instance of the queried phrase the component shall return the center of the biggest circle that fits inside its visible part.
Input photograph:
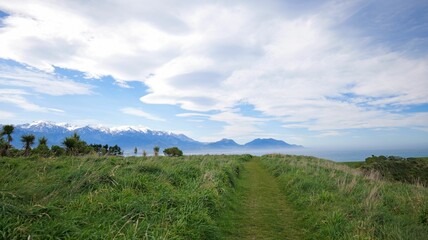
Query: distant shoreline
(334, 155)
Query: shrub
(57, 150)
(173, 152)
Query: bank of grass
(407, 170)
(334, 201)
(113, 197)
(355, 164)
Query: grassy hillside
(408, 170)
(334, 201)
(204, 197)
(108, 198)
(353, 164)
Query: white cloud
(6, 115)
(237, 126)
(40, 82)
(299, 68)
(306, 73)
(16, 97)
(192, 115)
(140, 113)
(328, 134)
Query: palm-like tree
(43, 141)
(76, 136)
(8, 130)
(74, 145)
(71, 144)
(43, 149)
(156, 150)
(3, 146)
(28, 140)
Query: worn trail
(259, 210)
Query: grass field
(114, 198)
(353, 164)
(204, 197)
(334, 201)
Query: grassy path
(259, 209)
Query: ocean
(347, 155)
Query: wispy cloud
(16, 97)
(40, 82)
(6, 115)
(140, 113)
(328, 134)
(236, 124)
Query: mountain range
(128, 137)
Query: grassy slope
(107, 198)
(410, 170)
(353, 164)
(336, 202)
(259, 209)
(183, 198)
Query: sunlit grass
(188, 198)
(338, 202)
(108, 198)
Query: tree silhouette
(173, 152)
(156, 151)
(71, 144)
(3, 146)
(75, 146)
(8, 130)
(76, 136)
(28, 140)
(43, 141)
(42, 148)
(115, 150)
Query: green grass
(353, 164)
(408, 170)
(334, 201)
(204, 197)
(258, 209)
(114, 198)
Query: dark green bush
(173, 152)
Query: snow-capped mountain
(124, 136)
(128, 137)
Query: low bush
(173, 152)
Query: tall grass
(113, 197)
(338, 202)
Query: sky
(342, 74)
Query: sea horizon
(337, 155)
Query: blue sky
(345, 74)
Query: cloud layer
(304, 67)
(17, 83)
(140, 113)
